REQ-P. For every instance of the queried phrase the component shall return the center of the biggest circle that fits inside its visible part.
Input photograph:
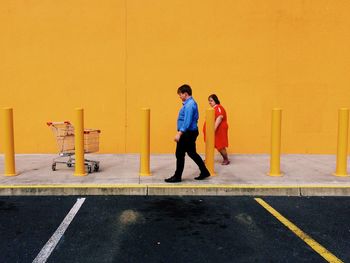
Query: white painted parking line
(55, 238)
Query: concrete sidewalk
(303, 175)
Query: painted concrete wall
(113, 57)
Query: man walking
(187, 132)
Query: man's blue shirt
(188, 116)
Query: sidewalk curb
(186, 190)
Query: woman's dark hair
(185, 89)
(215, 98)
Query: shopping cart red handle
(49, 123)
(87, 132)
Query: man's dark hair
(215, 98)
(185, 89)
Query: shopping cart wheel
(96, 167)
(89, 169)
(53, 167)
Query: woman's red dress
(221, 137)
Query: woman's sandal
(225, 162)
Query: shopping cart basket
(64, 133)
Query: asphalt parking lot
(174, 229)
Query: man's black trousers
(187, 144)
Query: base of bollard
(275, 175)
(11, 174)
(84, 174)
(340, 175)
(145, 174)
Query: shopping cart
(64, 133)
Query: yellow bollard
(145, 143)
(342, 152)
(79, 143)
(275, 142)
(210, 140)
(9, 144)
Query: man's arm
(177, 136)
(189, 112)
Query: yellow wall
(113, 57)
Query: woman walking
(221, 128)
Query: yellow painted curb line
(245, 186)
(201, 186)
(75, 186)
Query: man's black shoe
(202, 176)
(173, 179)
